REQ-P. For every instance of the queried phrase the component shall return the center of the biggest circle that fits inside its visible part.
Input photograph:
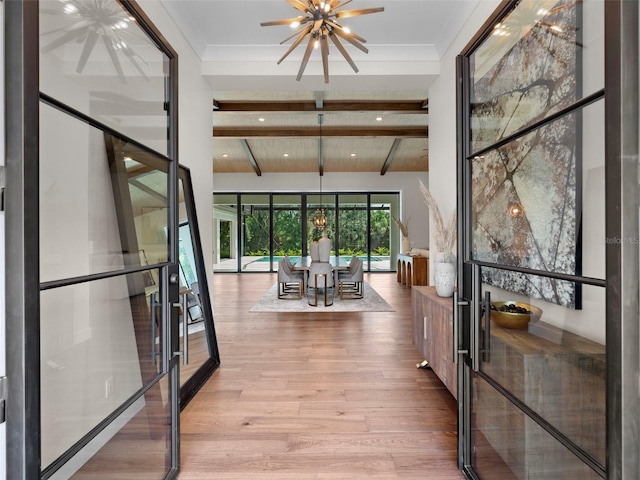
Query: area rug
(372, 302)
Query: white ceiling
(405, 44)
(239, 60)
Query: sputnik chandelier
(320, 24)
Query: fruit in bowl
(514, 314)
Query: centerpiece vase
(445, 274)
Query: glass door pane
(353, 233)
(104, 374)
(383, 233)
(550, 361)
(287, 228)
(225, 232)
(256, 233)
(533, 244)
(317, 203)
(97, 59)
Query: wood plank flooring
(317, 395)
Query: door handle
(154, 329)
(456, 328)
(486, 354)
(185, 330)
(477, 318)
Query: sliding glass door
(264, 227)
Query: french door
(94, 248)
(542, 228)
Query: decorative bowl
(508, 319)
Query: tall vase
(406, 245)
(445, 278)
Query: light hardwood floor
(317, 396)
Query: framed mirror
(198, 341)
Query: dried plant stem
(445, 235)
(404, 227)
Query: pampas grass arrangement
(445, 234)
(404, 227)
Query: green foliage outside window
(287, 232)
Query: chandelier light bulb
(70, 9)
(295, 24)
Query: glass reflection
(100, 344)
(532, 66)
(538, 203)
(509, 445)
(82, 227)
(553, 360)
(142, 444)
(95, 58)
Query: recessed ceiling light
(378, 119)
(353, 154)
(286, 155)
(224, 155)
(261, 119)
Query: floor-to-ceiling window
(253, 231)
(287, 227)
(225, 232)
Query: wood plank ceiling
(373, 132)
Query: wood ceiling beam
(419, 106)
(390, 156)
(251, 158)
(269, 132)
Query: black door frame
(22, 104)
(622, 229)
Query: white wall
(588, 322)
(413, 207)
(195, 134)
(442, 111)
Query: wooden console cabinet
(413, 269)
(433, 333)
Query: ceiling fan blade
(352, 41)
(355, 13)
(297, 42)
(89, 43)
(324, 46)
(343, 51)
(305, 58)
(284, 21)
(351, 34)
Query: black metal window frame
(304, 220)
